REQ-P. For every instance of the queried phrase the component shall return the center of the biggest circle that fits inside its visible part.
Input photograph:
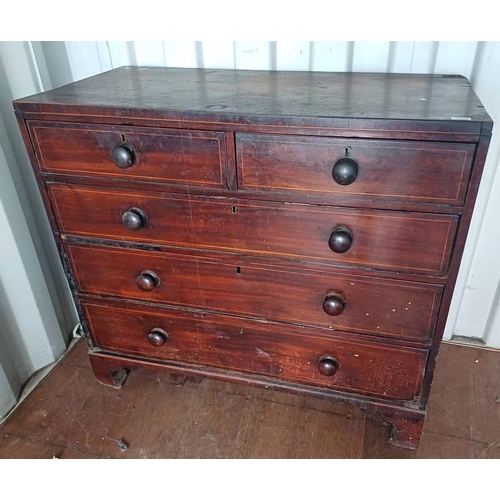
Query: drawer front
(408, 242)
(398, 171)
(162, 155)
(257, 348)
(368, 305)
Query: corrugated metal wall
(27, 67)
(87, 58)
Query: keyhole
(233, 209)
(238, 270)
(347, 150)
(123, 137)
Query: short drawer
(397, 171)
(254, 347)
(378, 239)
(290, 294)
(169, 156)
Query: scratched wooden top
(231, 94)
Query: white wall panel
(121, 53)
(30, 333)
(25, 307)
(86, 59)
(183, 54)
(54, 55)
(455, 58)
(149, 54)
(330, 56)
(218, 55)
(293, 56)
(371, 56)
(476, 304)
(252, 55)
(104, 56)
(18, 78)
(9, 390)
(401, 57)
(36, 308)
(424, 57)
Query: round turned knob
(157, 337)
(345, 171)
(333, 304)
(134, 219)
(123, 156)
(327, 365)
(340, 240)
(147, 281)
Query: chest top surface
(229, 95)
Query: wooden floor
(157, 415)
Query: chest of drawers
(296, 231)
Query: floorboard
(160, 415)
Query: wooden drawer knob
(334, 304)
(327, 365)
(134, 219)
(123, 156)
(147, 281)
(157, 337)
(340, 240)
(345, 171)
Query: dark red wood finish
(391, 170)
(372, 305)
(479, 161)
(254, 347)
(166, 156)
(402, 241)
(212, 160)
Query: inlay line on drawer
(255, 347)
(424, 172)
(185, 157)
(376, 306)
(379, 239)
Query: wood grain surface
(369, 368)
(373, 306)
(403, 241)
(422, 172)
(169, 156)
(269, 93)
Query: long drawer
(378, 239)
(422, 172)
(290, 294)
(259, 348)
(169, 156)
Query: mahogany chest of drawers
(298, 231)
